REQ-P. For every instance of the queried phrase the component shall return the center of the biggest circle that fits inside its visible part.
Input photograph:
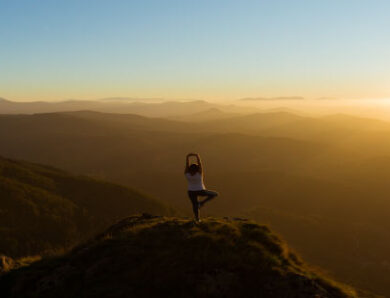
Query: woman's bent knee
(208, 193)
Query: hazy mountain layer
(121, 105)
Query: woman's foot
(197, 220)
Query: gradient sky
(214, 49)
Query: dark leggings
(194, 194)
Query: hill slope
(154, 256)
(44, 208)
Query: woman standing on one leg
(196, 188)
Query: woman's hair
(194, 168)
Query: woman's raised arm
(199, 162)
(187, 168)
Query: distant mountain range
(146, 107)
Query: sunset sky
(214, 49)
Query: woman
(196, 188)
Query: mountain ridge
(156, 256)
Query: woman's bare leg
(195, 204)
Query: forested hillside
(43, 208)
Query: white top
(195, 182)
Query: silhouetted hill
(153, 256)
(135, 150)
(210, 114)
(253, 123)
(93, 137)
(42, 208)
(286, 124)
(86, 123)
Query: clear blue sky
(210, 49)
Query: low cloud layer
(272, 98)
